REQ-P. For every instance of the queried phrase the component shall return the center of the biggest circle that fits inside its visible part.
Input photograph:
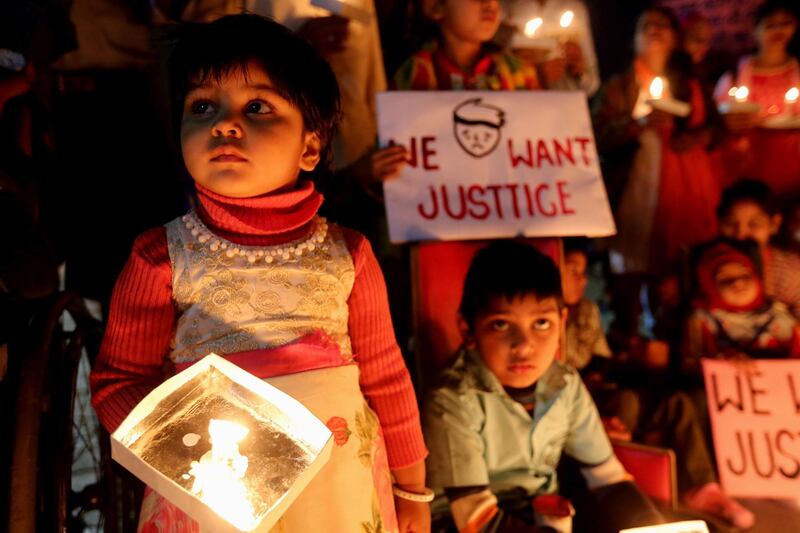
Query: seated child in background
(463, 56)
(656, 417)
(587, 349)
(733, 317)
(749, 210)
(505, 409)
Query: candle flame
(219, 473)
(566, 18)
(741, 94)
(657, 87)
(732, 91)
(792, 95)
(532, 25)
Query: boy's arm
(384, 379)
(587, 441)
(139, 331)
(456, 462)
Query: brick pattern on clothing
(429, 70)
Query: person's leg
(675, 424)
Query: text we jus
(530, 195)
(766, 453)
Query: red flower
(338, 427)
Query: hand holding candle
(661, 101)
(739, 102)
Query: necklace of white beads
(269, 254)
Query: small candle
(790, 98)
(657, 88)
(532, 25)
(566, 19)
(741, 93)
(732, 91)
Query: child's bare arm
(139, 331)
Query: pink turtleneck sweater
(134, 354)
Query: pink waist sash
(311, 352)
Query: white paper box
(689, 526)
(285, 448)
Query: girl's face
(747, 220)
(698, 40)
(654, 34)
(473, 21)
(736, 284)
(241, 139)
(574, 277)
(776, 30)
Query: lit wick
(219, 473)
(532, 25)
(741, 94)
(657, 88)
(566, 19)
(790, 98)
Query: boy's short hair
(215, 49)
(748, 190)
(509, 269)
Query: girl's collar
(268, 219)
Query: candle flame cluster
(532, 26)
(218, 476)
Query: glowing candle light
(532, 25)
(219, 473)
(741, 94)
(657, 88)
(791, 96)
(566, 19)
(732, 91)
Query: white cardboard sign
(486, 164)
(755, 417)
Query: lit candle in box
(228, 449)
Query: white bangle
(424, 497)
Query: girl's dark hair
(508, 269)
(213, 50)
(771, 7)
(748, 190)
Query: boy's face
(574, 277)
(736, 284)
(747, 220)
(474, 21)
(241, 139)
(517, 339)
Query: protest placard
(755, 417)
(488, 164)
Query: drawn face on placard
(477, 127)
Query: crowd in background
(706, 262)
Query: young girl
(463, 57)
(770, 155)
(732, 316)
(656, 166)
(253, 274)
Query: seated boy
(505, 409)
